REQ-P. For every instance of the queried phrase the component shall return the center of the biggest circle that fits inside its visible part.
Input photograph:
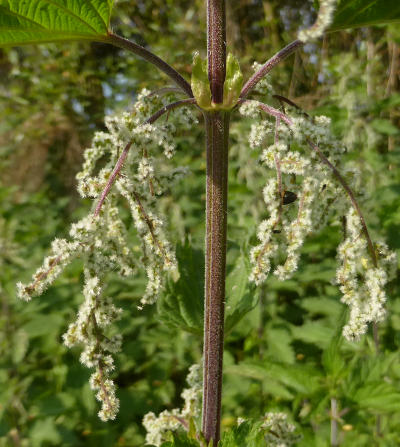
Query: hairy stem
(268, 66)
(133, 47)
(217, 134)
(216, 48)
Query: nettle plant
(307, 170)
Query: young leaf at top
(200, 83)
(233, 82)
(357, 13)
(39, 21)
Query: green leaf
(315, 332)
(44, 431)
(322, 306)
(20, 345)
(38, 21)
(257, 372)
(233, 82)
(200, 83)
(182, 304)
(247, 433)
(180, 440)
(332, 359)
(300, 378)
(357, 13)
(279, 344)
(240, 293)
(379, 396)
(385, 127)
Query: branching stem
(268, 66)
(133, 47)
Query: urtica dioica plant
(308, 186)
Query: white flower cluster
(101, 238)
(291, 197)
(361, 282)
(158, 254)
(300, 200)
(94, 315)
(324, 20)
(278, 431)
(261, 255)
(157, 427)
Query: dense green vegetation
(287, 353)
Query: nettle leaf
(180, 440)
(233, 82)
(200, 83)
(332, 360)
(39, 21)
(258, 372)
(240, 293)
(248, 433)
(357, 13)
(378, 396)
(182, 304)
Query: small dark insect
(277, 231)
(289, 197)
(323, 188)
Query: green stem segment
(217, 133)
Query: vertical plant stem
(216, 48)
(217, 134)
(334, 424)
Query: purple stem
(268, 66)
(133, 47)
(216, 48)
(217, 133)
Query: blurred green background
(286, 354)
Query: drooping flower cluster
(324, 20)
(361, 282)
(158, 426)
(100, 238)
(291, 196)
(95, 314)
(301, 198)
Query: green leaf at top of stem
(357, 13)
(201, 86)
(38, 21)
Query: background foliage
(286, 354)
